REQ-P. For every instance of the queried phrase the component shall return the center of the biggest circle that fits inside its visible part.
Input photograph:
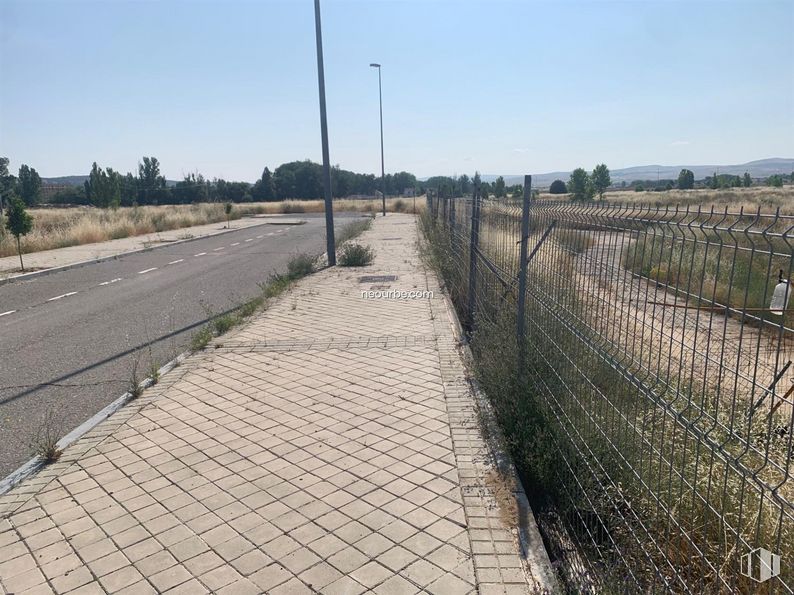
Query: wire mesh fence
(642, 373)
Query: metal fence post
(522, 275)
(452, 219)
(473, 246)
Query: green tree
(714, 182)
(558, 187)
(580, 185)
(600, 180)
(6, 183)
(227, 208)
(103, 187)
(775, 181)
(265, 188)
(19, 223)
(465, 184)
(686, 180)
(747, 181)
(151, 185)
(499, 190)
(29, 185)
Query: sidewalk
(59, 257)
(331, 446)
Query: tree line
(584, 186)
(106, 187)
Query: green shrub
(356, 255)
(300, 266)
(222, 324)
(200, 338)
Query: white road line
(236, 244)
(7, 313)
(57, 297)
(200, 254)
(259, 237)
(176, 261)
(216, 249)
(250, 240)
(270, 234)
(147, 270)
(111, 281)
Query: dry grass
(59, 228)
(751, 198)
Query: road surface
(68, 340)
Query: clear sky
(227, 87)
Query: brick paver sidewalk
(331, 445)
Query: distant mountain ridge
(757, 169)
(760, 168)
(78, 181)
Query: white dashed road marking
(57, 297)
(147, 270)
(216, 249)
(200, 254)
(270, 234)
(236, 244)
(111, 281)
(7, 313)
(259, 237)
(176, 261)
(250, 240)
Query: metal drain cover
(377, 278)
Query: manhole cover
(377, 278)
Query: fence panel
(658, 356)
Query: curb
(35, 464)
(533, 549)
(82, 263)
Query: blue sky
(227, 87)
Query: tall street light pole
(382, 167)
(329, 206)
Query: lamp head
(373, 65)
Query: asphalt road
(68, 340)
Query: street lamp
(330, 245)
(382, 167)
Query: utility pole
(330, 244)
(382, 166)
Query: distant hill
(64, 181)
(78, 181)
(757, 169)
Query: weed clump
(300, 266)
(356, 255)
